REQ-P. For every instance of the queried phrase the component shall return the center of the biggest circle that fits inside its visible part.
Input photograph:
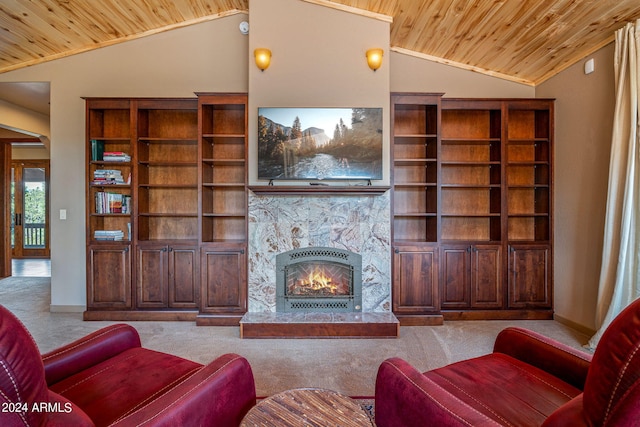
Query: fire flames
(317, 282)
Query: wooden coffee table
(308, 407)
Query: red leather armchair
(528, 380)
(107, 378)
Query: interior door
(30, 209)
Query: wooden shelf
(225, 136)
(224, 162)
(223, 184)
(92, 185)
(167, 186)
(415, 184)
(414, 136)
(318, 190)
(168, 139)
(107, 163)
(470, 141)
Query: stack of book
(115, 156)
(109, 203)
(108, 235)
(107, 177)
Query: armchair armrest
(219, 394)
(404, 397)
(556, 358)
(88, 351)
(66, 413)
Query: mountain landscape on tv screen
(319, 143)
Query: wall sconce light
(263, 58)
(374, 58)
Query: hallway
(31, 267)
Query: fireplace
(318, 279)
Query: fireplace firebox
(318, 279)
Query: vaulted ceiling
(526, 41)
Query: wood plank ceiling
(526, 41)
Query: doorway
(30, 209)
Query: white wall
(584, 123)
(413, 74)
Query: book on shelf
(108, 177)
(115, 156)
(97, 150)
(110, 203)
(108, 235)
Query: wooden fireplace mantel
(318, 190)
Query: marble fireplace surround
(358, 223)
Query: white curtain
(620, 271)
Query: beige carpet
(345, 365)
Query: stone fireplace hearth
(354, 223)
(360, 224)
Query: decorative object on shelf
(374, 58)
(263, 58)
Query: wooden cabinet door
(183, 277)
(223, 279)
(455, 265)
(471, 276)
(415, 280)
(530, 276)
(152, 272)
(486, 276)
(109, 277)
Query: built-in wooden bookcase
(224, 173)
(415, 132)
(471, 172)
(223, 208)
(167, 175)
(529, 179)
(415, 172)
(186, 186)
(108, 130)
(108, 234)
(529, 173)
(472, 207)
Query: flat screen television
(319, 143)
